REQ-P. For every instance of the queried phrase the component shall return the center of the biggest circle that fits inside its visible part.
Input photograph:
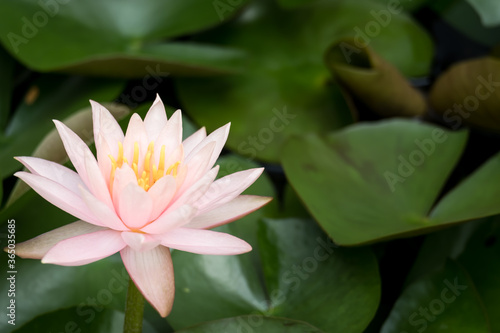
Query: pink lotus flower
(148, 191)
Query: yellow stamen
(150, 173)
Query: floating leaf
(488, 11)
(286, 88)
(133, 45)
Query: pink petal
(162, 193)
(233, 210)
(103, 159)
(171, 134)
(135, 206)
(227, 188)
(219, 136)
(204, 242)
(75, 148)
(37, 247)
(198, 166)
(193, 140)
(153, 274)
(155, 119)
(59, 196)
(105, 126)
(123, 177)
(136, 132)
(106, 216)
(53, 171)
(98, 186)
(196, 191)
(140, 242)
(171, 220)
(84, 249)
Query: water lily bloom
(147, 191)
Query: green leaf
(6, 78)
(132, 44)
(488, 10)
(286, 88)
(301, 276)
(374, 181)
(481, 258)
(252, 323)
(69, 320)
(444, 301)
(58, 98)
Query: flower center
(150, 173)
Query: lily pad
(302, 276)
(285, 88)
(444, 301)
(133, 43)
(263, 324)
(488, 11)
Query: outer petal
(135, 206)
(84, 249)
(196, 191)
(97, 184)
(53, 171)
(105, 215)
(204, 242)
(75, 148)
(171, 220)
(171, 134)
(153, 274)
(59, 196)
(227, 188)
(140, 242)
(155, 119)
(233, 210)
(37, 247)
(194, 139)
(219, 136)
(105, 126)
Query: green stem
(134, 310)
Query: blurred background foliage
(377, 121)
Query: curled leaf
(375, 82)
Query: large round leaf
(253, 323)
(116, 38)
(286, 88)
(302, 276)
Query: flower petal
(155, 119)
(194, 139)
(134, 206)
(136, 132)
(106, 216)
(105, 126)
(84, 249)
(162, 193)
(153, 274)
(196, 191)
(59, 196)
(233, 210)
(171, 135)
(219, 136)
(204, 242)
(75, 148)
(53, 171)
(123, 176)
(197, 166)
(139, 241)
(98, 186)
(37, 247)
(171, 220)
(227, 188)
